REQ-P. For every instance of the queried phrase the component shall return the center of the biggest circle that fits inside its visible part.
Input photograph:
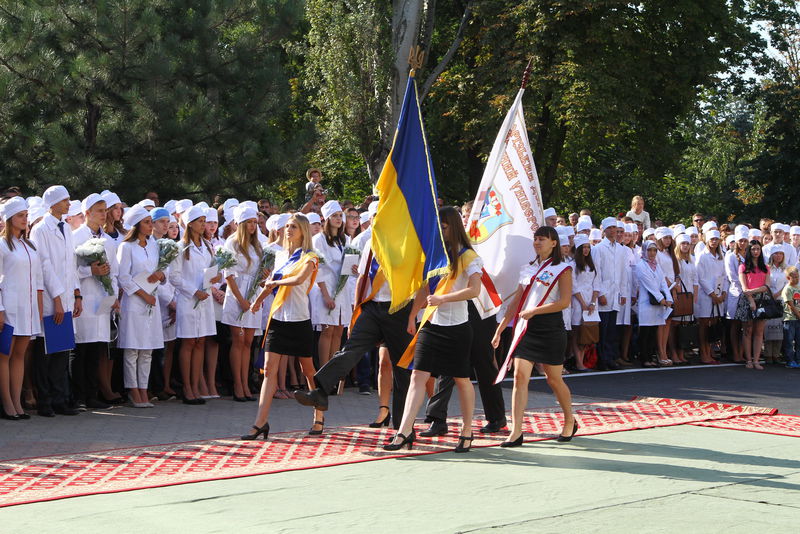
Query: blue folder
(58, 337)
(6, 336)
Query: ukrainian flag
(407, 237)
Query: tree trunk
(90, 127)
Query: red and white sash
(521, 325)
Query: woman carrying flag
(289, 330)
(539, 336)
(444, 337)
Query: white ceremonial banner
(507, 209)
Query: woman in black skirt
(289, 330)
(444, 339)
(540, 336)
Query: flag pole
(526, 75)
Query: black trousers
(375, 325)
(648, 343)
(51, 377)
(483, 363)
(83, 369)
(608, 348)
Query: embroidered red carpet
(781, 425)
(58, 477)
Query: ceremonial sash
(378, 279)
(442, 288)
(521, 326)
(282, 292)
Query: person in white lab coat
(195, 312)
(713, 293)
(585, 289)
(62, 293)
(21, 287)
(734, 257)
(609, 258)
(93, 329)
(162, 359)
(688, 278)
(140, 327)
(236, 308)
(208, 382)
(653, 297)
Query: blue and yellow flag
(407, 237)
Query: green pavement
(673, 479)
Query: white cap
(691, 231)
(134, 215)
(365, 217)
(170, 206)
(549, 212)
(786, 228)
(147, 203)
(36, 212)
(283, 220)
(608, 222)
(313, 218)
(203, 205)
(678, 229)
(595, 234)
(331, 207)
(647, 233)
(711, 234)
(708, 226)
(54, 195)
(580, 240)
(741, 232)
(195, 212)
(272, 222)
(730, 239)
(794, 230)
(74, 208)
(183, 205)
(584, 225)
(110, 198)
(90, 201)
(563, 240)
(249, 204)
(13, 206)
(662, 232)
(212, 215)
(587, 218)
(776, 226)
(34, 201)
(631, 228)
(372, 209)
(230, 203)
(242, 214)
(682, 238)
(621, 224)
(754, 232)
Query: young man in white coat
(62, 293)
(610, 260)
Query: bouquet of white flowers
(94, 250)
(168, 251)
(343, 277)
(265, 264)
(223, 259)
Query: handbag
(688, 334)
(683, 304)
(716, 328)
(588, 333)
(768, 307)
(653, 300)
(774, 330)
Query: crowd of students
(149, 326)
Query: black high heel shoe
(259, 430)
(516, 443)
(10, 417)
(313, 432)
(407, 441)
(564, 439)
(239, 399)
(461, 441)
(384, 421)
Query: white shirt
(295, 307)
(455, 313)
(711, 274)
(21, 279)
(59, 264)
(609, 258)
(384, 293)
(90, 327)
(140, 325)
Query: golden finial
(415, 57)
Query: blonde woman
(289, 330)
(776, 281)
(669, 266)
(688, 276)
(637, 212)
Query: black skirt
(545, 340)
(444, 350)
(292, 338)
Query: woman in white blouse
(236, 308)
(669, 266)
(208, 381)
(332, 311)
(653, 297)
(289, 330)
(443, 344)
(162, 221)
(21, 287)
(688, 279)
(638, 214)
(776, 281)
(585, 289)
(140, 328)
(195, 312)
(733, 259)
(713, 293)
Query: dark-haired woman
(669, 265)
(585, 289)
(21, 287)
(653, 297)
(444, 340)
(753, 274)
(140, 327)
(545, 289)
(713, 292)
